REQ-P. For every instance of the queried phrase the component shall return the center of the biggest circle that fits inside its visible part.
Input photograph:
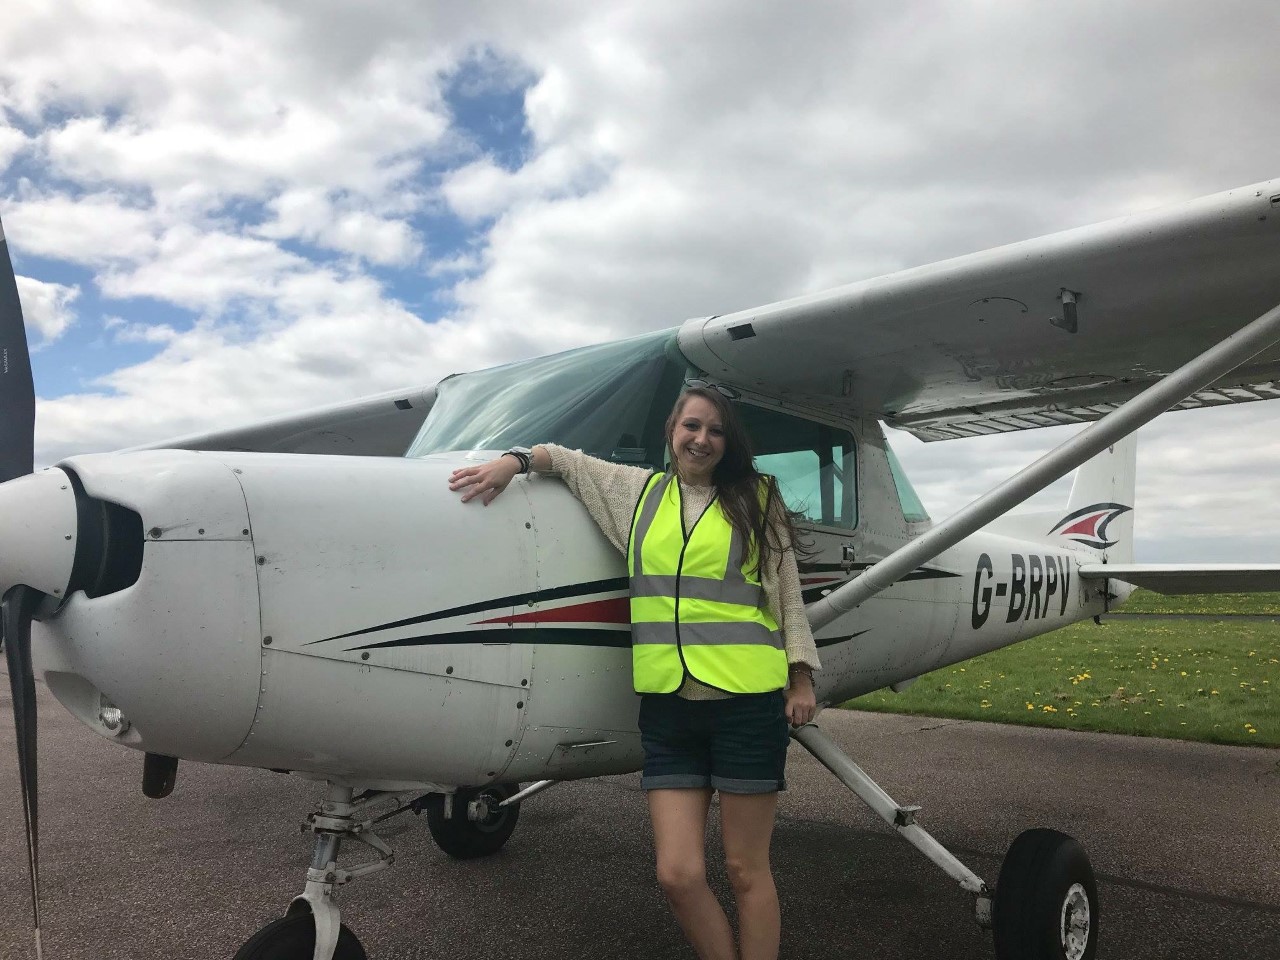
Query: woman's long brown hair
(737, 481)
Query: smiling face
(697, 440)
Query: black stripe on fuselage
(819, 590)
(611, 585)
(586, 637)
(920, 573)
(832, 641)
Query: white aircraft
(306, 595)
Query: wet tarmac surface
(1185, 840)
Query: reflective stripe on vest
(697, 605)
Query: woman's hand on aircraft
(801, 702)
(485, 481)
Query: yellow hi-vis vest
(697, 606)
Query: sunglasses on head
(727, 392)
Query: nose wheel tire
(1046, 901)
(465, 839)
(294, 938)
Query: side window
(913, 510)
(815, 464)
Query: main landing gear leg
(1045, 906)
(902, 819)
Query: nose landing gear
(293, 937)
(465, 824)
(312, 928)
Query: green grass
(1211, 681)
(1144, 601)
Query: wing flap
(1057, 330)
(1178, 578)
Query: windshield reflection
(610, 400)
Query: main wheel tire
(466, 839)
(294, 938)
(1046, 902)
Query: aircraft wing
(1062, 329)
(1181, 578)
(377, 426)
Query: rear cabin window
(815, 464)
(912, 509)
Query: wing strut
(1193, 375)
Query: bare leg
(747, 824)
(679, 835)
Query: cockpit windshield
(610, 400)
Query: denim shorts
(734, 745)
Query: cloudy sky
(225, 211)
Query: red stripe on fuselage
(613, 610)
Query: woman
(722, 651)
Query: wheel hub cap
(1074, 925)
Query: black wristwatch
(524, 455)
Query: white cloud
(204, 106)
(483, 189)
(12, 142)
(92, 230)
(46, 307)
(311, 216)
(203, 269)
(123, 331)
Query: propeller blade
(15, 628)
(17, 389)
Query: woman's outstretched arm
(609, 491)
(490, 479)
